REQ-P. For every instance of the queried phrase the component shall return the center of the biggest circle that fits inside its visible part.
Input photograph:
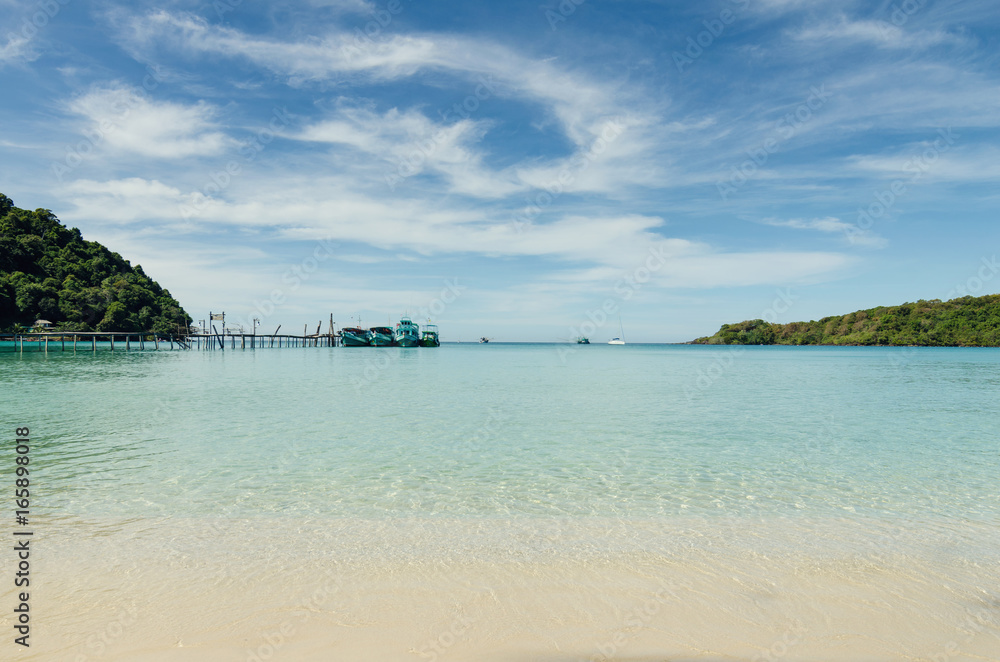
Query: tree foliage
(964, 322)
(48, 271)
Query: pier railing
(138, 341)
(252, 341)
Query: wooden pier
(222, 341)
(132, 341)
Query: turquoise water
(510, 431)
(843, 502)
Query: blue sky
(513, 169)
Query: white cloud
(832, 225)
(126, 201)
(125, 120)
(619, 155)
(582, 106)
(410, 143)
(828, 224)
(780, 5)
(15, 49)
(345, 6)
(926, 163)
(880, 33)
(585, 248)
(381, 56)
(755, 268)
(131, 188)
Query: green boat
(381, 336)
(430, 337)
(407, 333)
(353, 336)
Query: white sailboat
(620, 340)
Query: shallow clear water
(513, 430)
(848, 492)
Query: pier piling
(112, 340)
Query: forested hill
(48, 271)
(965, 322)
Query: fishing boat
(582, 341)
(381, 336)
(353, 336)
(430, 336)
(484, 340)
(407, 333)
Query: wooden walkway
(125, 341)
(220, 341)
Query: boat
(484, 340)
(430, 336)
(620, 340)
(582, 341)
(381, 336)
(407, 333)
(353, 336)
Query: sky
(516, 170)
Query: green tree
(968, 321)
(115, 318)
(48, 270)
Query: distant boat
(620, 340)
(582, 341)
(380, 336)
(407, 333)
(430, 337)
(353, 336)
(484, 340)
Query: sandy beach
(258, 590)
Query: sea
(548, 502)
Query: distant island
(49, 272)
(965, 322)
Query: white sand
(150, 590)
